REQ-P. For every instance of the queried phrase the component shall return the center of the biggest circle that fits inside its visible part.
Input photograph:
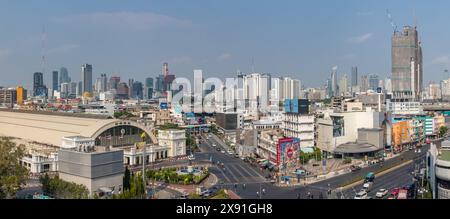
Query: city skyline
(187, 41)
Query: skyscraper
(64, 76)
(86, 78)
(148, 94)
(355, 76)
(55, 84)
(103, 83)
(113, 82)
(198, 82)
(39, 89)
(364, 83)
(373, 81)
(334, 83)
(137, 90)
(343, 85)
(80, 89)
(130, 87)
(407, 75)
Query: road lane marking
(256, 177)
(378, 175)
(223, 174)
(246, 178)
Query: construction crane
(394, 26)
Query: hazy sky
(297, 38)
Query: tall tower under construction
(407, 74)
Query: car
(236, 155)
(191, 157)
(382, 193)
(230, 152)
(361, 195)
(394, 192)
(214, 145)
(222, 151)
(354, 168)
(206, 193)
(218, 149)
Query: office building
(364, 83)
(298, 123)
(407, 75)
(39, 89)
(86, 78)
(113, 83)
(80, 89)
(334, 82)
(8, 97)
(64, 93)
(291, 88)
(148, 89)
(55, 84)
(21, 95)
(137, 91)
(122, 91)
(343, 85)
(373, 81)
(64, 76)
(355, 78)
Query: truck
(367, 186)
(402, 194)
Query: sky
(302, 39)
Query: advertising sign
(163, 106)
(288, 152)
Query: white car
(191, 157)
(214, 145)
(230, 152)
(361, 195)
(222, 151)
(381, 193)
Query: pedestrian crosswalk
(238, 173)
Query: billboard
(288, 152)
(163, 106)
(298, 106)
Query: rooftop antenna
(43, 38)
(394, 26)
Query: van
(367, 186)
(370, 177)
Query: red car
(394, 192)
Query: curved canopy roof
(355, 148)
(50, 129)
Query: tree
(12, 174)
(443, 131)
(126, 179)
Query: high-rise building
(165, 69)
(373, 81)
(355, 76)
(198, 83)
(103, 83)
(159, 83)
(388, 85)
(72, 90)
(21, 95)
(407, 75)
(65, 90)
(291, 88)
(256, 88)
(122, 91)
(39, 89)
(8, 97)
(148, 93)
(137, 90)
(113, 83)
(277, 90)
(86, 78)
(364, 83)
(334, 82)
(343, 85)
(80, 89)
(64, 76)
(55, 84)
(130, 87)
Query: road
(241, 173)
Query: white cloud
(360, 39)
(441, 60)
(63, 48)
(224, 57)
(137, 21)
(181, 60)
